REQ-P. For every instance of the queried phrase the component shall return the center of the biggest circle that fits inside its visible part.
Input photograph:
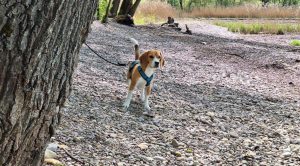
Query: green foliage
(101, 9)
(295, 42)
(141, 20)
(256, 28)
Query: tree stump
(125, 19)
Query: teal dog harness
(142, 73)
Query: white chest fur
(141, 81)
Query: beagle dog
(140, 74)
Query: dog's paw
(126, 105)
(142, 97)
(147, 108)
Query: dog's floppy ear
(161, 61)
(144, 59)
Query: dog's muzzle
(156, 64)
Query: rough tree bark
(104, 19)
(114, 8)
(133, 8)
(125, 7)
(39, 45)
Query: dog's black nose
(156, 64)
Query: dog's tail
(136, 48)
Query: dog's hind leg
(129, 95)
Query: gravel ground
(220, 100)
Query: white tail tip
(135, 42)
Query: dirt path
(219, 101)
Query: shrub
(256, 28)
(295, 42)
(154, 12)
(102, 9)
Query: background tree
(133, 8)
(39, 45)
(125, 7)
(114, 8)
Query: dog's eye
(151, 57)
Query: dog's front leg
(129, 95)
(142, 97)
(146, 101)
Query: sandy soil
(222, 99)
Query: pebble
(159, 158)
(78, 139)
(174, 143)
(286, 154)
(143, 146)
(295, 141)
(189, 159)
(295, 148)
(179, 158)
(50, 154)
(233, 134)
(120, 164)
(53, 147)
(177, 154)
(210, 114)
(250, 154)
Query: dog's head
(153, 59)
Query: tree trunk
(39, 45)
(125, 7)
(181, 4)
(114, 8)
(104, 19)
(134, 7)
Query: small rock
(233, 134)
(143, 146)
(250, 154)
(295, 148)
(177, 154)
(113, 135)
(50, 154)
(174, 143)
(145, 158)
(189, 150)
(53, 147)
(247, 142)
(179, 158)
(205, 120)
(196, 163)
(53, 162)
(77, 139)
(295, 141)
(210, 114)
(120, 164)
(263, 163)
(286, 154)
(222, 128)
(159, 158)
(189, 159)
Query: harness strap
(132, 65)
(145, 77)
(142, 73)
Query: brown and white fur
(149, 61)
